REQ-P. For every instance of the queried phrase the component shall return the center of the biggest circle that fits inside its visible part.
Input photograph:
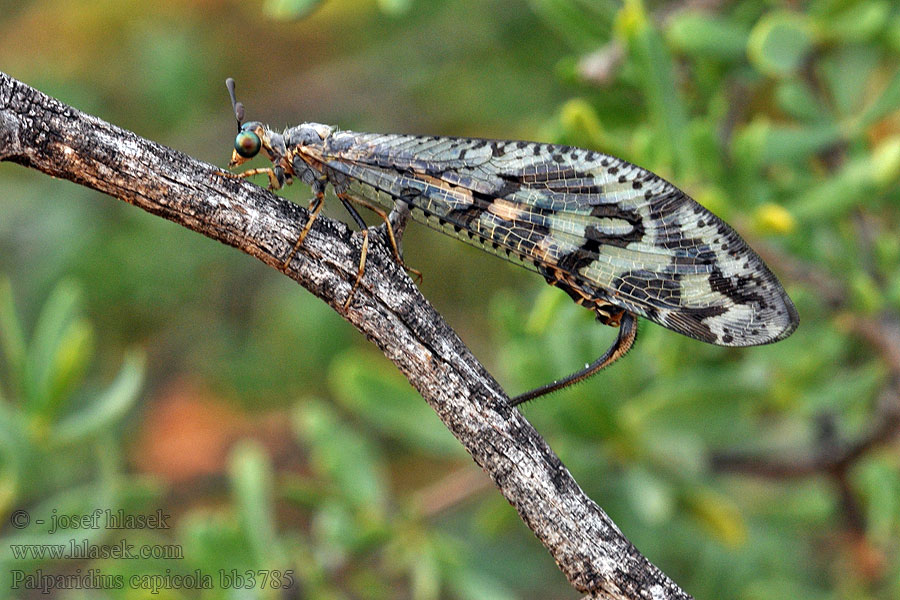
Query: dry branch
(43, 133)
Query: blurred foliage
(280, 440)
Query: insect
(620, 240)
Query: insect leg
(346, 198)
(623, 343)
(274, 183)
(362, 266)
(396, 222)
(315, 206)
(355, 215)
(398, 217)
(365, 245)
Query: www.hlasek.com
(95, 579)
(84, 549)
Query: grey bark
(40, 132)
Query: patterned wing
(615, 232)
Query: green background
(145, 368)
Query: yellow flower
(774, 218)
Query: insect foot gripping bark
(620, 240)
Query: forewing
(618, 232)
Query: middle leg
(399, 216)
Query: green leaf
(650, 497)
(581, 125)
(765, 143)
(768, 588)
(544, 311)
(395, 7)
(779, 42)
(855, 184)
(475, 584)
(307, 492)
(847, 72)
(51, 330)
(790, 144)
(287, 10)
(719, 515)
(12, 340)
(342, 455)
(73, 354)
(858, 22)
(892, 35)
(334, 529)
(583, 31)
(213, 540)
(425, 573)
(796, 99)
(14, 451)
(865, 293)
(704, 35)
(252, 483)
(886, 162)
(806, 504)
(81, 500)
(657, 78)
(372, 389)
(675, 451)
(887, 103)
(879, 483)
(858, 384)
(107, 408)
(707, 147)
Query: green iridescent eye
(247, 144)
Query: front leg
(276, 176)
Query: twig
(42, 133)
(831, 456)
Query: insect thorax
(306, 135)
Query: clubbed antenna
(237, 106)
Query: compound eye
(247, 144)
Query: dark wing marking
(620, 233)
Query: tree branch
(42, 133)
(831, 455)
